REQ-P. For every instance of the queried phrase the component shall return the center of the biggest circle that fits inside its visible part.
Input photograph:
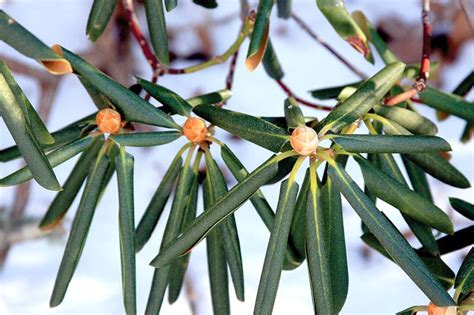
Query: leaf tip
(57, 66)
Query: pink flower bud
(195, 130)
(304, 140)
(108, 121)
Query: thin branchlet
(424, 72)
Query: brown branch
(396, 99)
(424, 72)
(290, 93)
(426, 53)
(299, 21)
(138, 34)
(229, 81)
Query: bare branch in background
(299, 21)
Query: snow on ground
(377, 286)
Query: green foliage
(363, 99)
(308, 222)
(17, 114)
(317, 249)
(345, 26)
(245, 126)
(80, 228)
(275, 255)
(155, 16)
(124, 168)
(448, 103)
(389, 237)
(99, 17)
(390, 144)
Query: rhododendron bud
(304, 140)
(108, 120)
(195, 129)
(441, 310)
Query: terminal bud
(108, 121)
(304, 140)
(195, 129)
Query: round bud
(195, 129)
(108, 121)
(304, 140)
(441, 310)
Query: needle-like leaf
(363, 99)
(293, 114)
(228, 228)
(298, 222)
(276, 249)
(61, 137)
(15, 35)
(345, 26)
(408, 119)
(216, 258)
(133, 107)
(223, 207)
(386, 163)
(155, 208)
(55, 158)
(463, 207)
(170, 4)
(259, 37)
(271, 64)
(438, 167)
(448, 103)
(63, 200)
(404, 199)
(259, 202)
(167, 97)
(99, 17)
(331, 206)
(391, 144)
(317, 248)
(248, 127)
(155, 16)
(210, 98)
(434, 263)
(465, 278)
(80, 228)
(146, 139)
(208, 4)
(332, 92)
(161, 276)
(373, 36)
(390, 238)
(284, 8)
(178, 269)
(124, 167)
(32, 118)
(17, 119)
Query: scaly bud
(304, 140)
(108, 121)
(195, 129)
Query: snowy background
(377, 286)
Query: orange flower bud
(441, 310)
(195, 129)
(108, 121)
(304, 140)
